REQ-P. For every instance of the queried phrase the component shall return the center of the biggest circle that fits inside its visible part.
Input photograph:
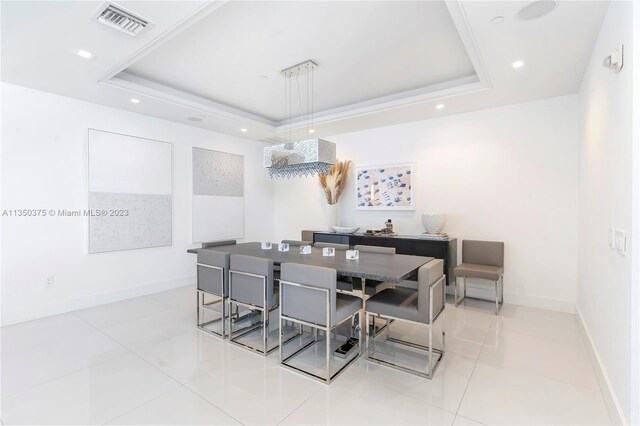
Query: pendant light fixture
(306, 157)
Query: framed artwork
(217, 199)
(385, 187)
(129, 183)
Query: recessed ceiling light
(134, 101)
(194, 118)
(83, 53)
(264, 77)
(311, 131)
(518, 64)
(536, 9)
(440, 106)
(243, 130)
(497, 20)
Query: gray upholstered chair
(306, 235)
(212, 277)
(422, 306)
(334, 245)
(251, 287)
(481, 260)
(297, 243)
(308, 298)
(218, 243)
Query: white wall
(44, 167)
(604, 279)
(507, 174)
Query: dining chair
(297, 243)
(421, 307)
(482, 260)
(212, 279)
(209, 244)
(251, 286)
(334, 245)
(309, 299)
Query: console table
(404, 244)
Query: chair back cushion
(212, 280)
(375, 249)
(249, 289)
(218, 243)
(297, 243)
(334, 245)
(489, 253)
(306, 235)
(427, 274)
(303, 303)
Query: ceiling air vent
(121, 19)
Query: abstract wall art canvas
(385, 187)
(218, 195)
(130, 197)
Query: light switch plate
(612, 237)
(621, 242)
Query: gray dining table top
(373, 266)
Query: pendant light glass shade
(301, 158)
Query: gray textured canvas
(217, 173)
(148, 223)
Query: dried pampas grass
(334, 182)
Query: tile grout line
(75, 371)
(466, 388)
(131, 351)
(554, 379)
(298, 407)
(140, 358)
(135, 408)
(209, 402)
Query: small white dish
(345, 229)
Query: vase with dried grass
(333, 184)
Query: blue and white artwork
(385, 187)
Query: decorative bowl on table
(433, 223)
(345, 229)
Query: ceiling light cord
(299, 96)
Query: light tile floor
(142, 361)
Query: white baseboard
(613, 405)
(61, 307)
(487, 292)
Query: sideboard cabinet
(446, 250)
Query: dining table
(384, 267)
(369, 266)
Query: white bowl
(344, 229)
(433, 223)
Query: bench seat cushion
(395, 302)
(470, 270)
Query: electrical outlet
(50, 280)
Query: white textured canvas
(217, 218)
(128, 164)
(131, 221)
(217, 207)
(217, 173)
(129, 182)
